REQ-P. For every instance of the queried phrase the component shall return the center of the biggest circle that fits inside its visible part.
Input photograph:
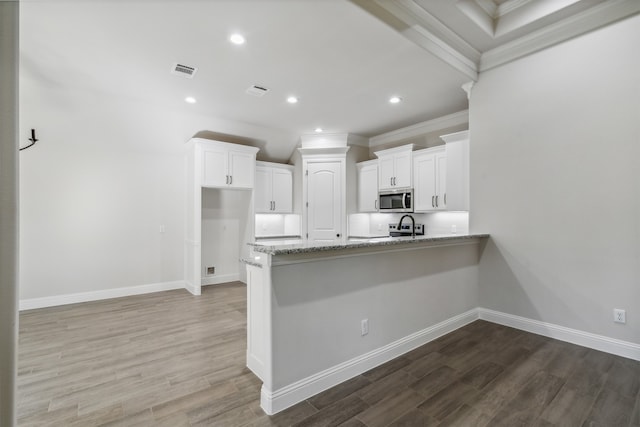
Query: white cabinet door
(457, 191)
(282, 190)
(262, 194)
(402, 168)
(429, 179)
(241, 167)
(229, 168)
(441, 181)
(367, 187)
(274, 189)
(424, 180)
(215, 168)
(386, 172)
(324, 197)
(394, 168)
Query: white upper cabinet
(394, 167)
(274, 188)
(228, 165)
(429, 178)
(457, 175)
(367, 174)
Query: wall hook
(33, 140)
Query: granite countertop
(301, 246)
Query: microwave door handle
(404, 200)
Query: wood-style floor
(172, 359)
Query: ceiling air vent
(183, 70)
(256, 90)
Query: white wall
(317, 312)
(8, 209)
(555, 143)
(106, 174)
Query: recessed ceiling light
(395, 99)
(237, 39)
(318, 130)
(190, 100)
(292, 100)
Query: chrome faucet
(413, 224)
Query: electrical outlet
(211, 270)
(619, 315)
(364, 327)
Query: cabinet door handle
(433, 205)
(230, 179)
(391, 181)
(375, 204)
(274, 205)
(226, 179)
(338, 235)
(436, 201)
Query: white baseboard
(31, 303)
(278, 400)
(220, 278)
(586, 339)
(192, 288)
(273, 402)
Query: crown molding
(509, 6)
(456, 137)
(455, 119)
(425, 30)
(436, 46)
(573, 26)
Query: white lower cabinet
(430, 180)
(274, 188)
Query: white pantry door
(324, 196)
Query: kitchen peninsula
(320, 313)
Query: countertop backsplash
(436, 223)
(277, 225)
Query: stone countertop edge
(373, 242)
(249, 262)
(277, 237)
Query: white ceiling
(343, 59)
(340, 61)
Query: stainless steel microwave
(396, 200)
